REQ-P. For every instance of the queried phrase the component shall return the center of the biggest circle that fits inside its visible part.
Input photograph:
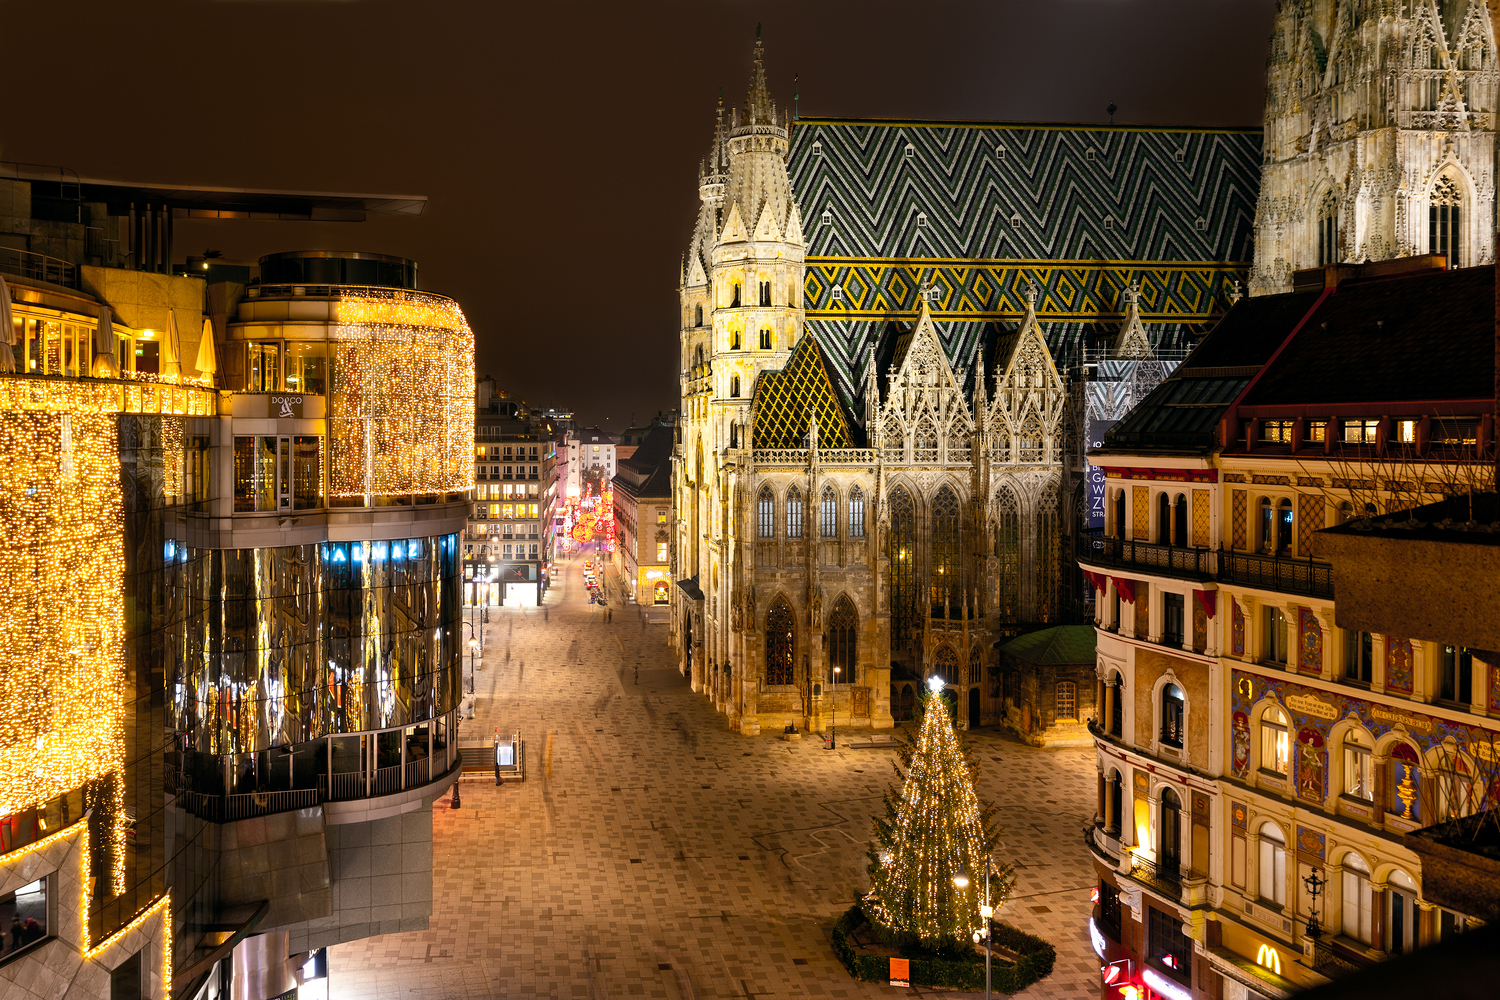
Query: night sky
(558, 142)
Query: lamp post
(986, 913)
(833, 737)
(473, 649)
(1314, 931)
(457, 721)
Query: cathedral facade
(878, 474)
(1380, 135)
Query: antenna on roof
(1112, 109)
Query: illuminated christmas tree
(936, 831)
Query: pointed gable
(695, 273)
(793, 232)
(766, 229)
(782, 401)
(924, 386)
(734, 227)
(1132, 341)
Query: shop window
(1167, 946)
(23, 918)
(263, 367)
(307, 367)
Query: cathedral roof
(783, 398)
(1073, 209)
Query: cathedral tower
(1379, 135)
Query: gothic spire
(759, 108)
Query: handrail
(1163, 878)
(38, 267)
(326, 290)
(1114, 551)
(345, 786)
(1292, 576)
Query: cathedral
(1379, 135)
(897, 337)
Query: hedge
(1037, 957)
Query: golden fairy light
(401, 400)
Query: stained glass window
(947, 563)
(843, 629)
(1008, 554)
(828, 516)
(905, 616)
(794, 513)
(856, 513)
(765, 514)
(946, 665)
(779, 644)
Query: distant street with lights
(650, 852)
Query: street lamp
(987, 914)
(1314, 886)
(473, 649)
(833, 737)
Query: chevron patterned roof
(979, 211)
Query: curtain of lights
(1008, 554)
(904, 598)
(947, 563)
(401, 401)
(779, 644)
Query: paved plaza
(653, 853)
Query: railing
(828, 456)
(1175, 560)
(1291, 576)
(1166, 879)
(386, 780)
(38, 267)
(228, 808)
(416, 772)
(347, 786)
(310, 290)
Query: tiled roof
(783, 398)
(980, 227)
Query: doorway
(973, 708)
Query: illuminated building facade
(1251, 733)
(231, 644)
(643, 517)
(879, 457)
(505, 543)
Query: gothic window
(1008, 554)
(1328, 230)
(698, 316)
(828, 514)
(856, 513)
(976, 666)
(924, 444)
(1048, 555)
(843, 631)
(946, 665)
(734, 435)
(1443, 220)
(1032, 445)
(734, 386)
(698, 356)
(791, 295)
(905, 616)
(779, 644)
(794, 513)
(947, 562)
(765, 293)
(765, 514)
(734, 341)
(765, 338)
(736, 303)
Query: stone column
(1427, 917)
(1333, 660)
(1377, 917)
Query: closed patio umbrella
(7, 331)
(105, 365)
(208, 360)
(171, 348)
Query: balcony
(1283, 574)
(38, 267)
(1164, 879)
(1099, 549)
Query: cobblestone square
(651, 852)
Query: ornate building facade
(1379, 135)
(878, 471)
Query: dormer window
(910, 150)
(999, 152)
(1180, 155)
(837, 293)
(1089, 154)
(817, 149)
(1015, 220)
(1202, 224)
(1109, 222)
(921, 218)
(827, 217)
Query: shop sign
(1409, 721)
(901, 972)
(1268, 958)
(282, 407)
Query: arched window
(794, 513)
(856, 513)
(734, 341)
(1008, 553)
(1328, 230)
(780, 651)
(924, 443)
(1048, 553)
(905, 614)
(1163, 519)
(1065, 701)
(1275, 743)
(1173, 708)
(976, 665)
(1170, 823)
(947, 568)
(1405, 783)
(908, 704)
(1118, 527)
(1032, 447)
(1180, 521)
(1284, 527)
(1458, 793)
(765, 293)
(734, 435)
(736, 303)
(765, 514)
(828, 513)
(697, 315)
(1116, 695)
(945, 665)
(1443, 219)
(1401, 913)
(1357, 899)
(765, 338)
(698, 355)
(1359, 767)
(1267, 526)
(843, 639)
(734, 386)
(1272, 864)
(1114, 802)
(1346, 512)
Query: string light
(401, 400)
(927, 865)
